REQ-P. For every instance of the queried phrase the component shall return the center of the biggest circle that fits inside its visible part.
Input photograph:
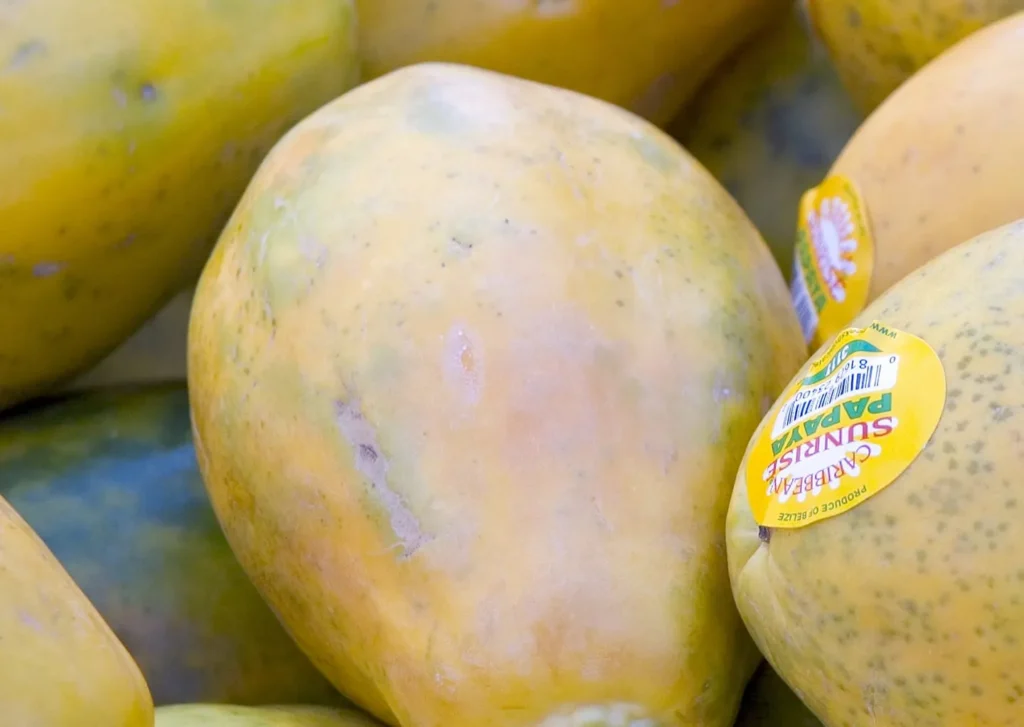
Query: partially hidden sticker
(844, 431)
(833, 259)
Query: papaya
(60, 664)
(646, 55)
(876, 45)
(899, 603)
(128, 132)
(933, 166)
(469, 396)
(769, 702)
(153, 354)
(110, 483)
(225, 715)
(768, 124)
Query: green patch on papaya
(654, 153)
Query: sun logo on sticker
(833, 237)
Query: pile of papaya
(476, 363)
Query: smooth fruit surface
(128, 131)
(227, 715)
(646, 55)
(471, 369)
(60, 664)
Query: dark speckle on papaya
(46, 269)
(126, 241)
(25, 53)
(71, 286)
(368, 453)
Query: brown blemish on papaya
(463, 364)
(373, 465)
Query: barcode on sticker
(859, 375)
(806, 313)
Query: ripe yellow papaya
(768, 124)
(878, 44)
(127, 133)
(60, 665)
(227, 715)
(646, 55)
(934, 165)
(899, 604)
(469, 369)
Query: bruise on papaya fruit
(370, 462)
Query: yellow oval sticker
(863, 411)
(833, 259)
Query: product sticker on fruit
(847, 428)
(832, 259)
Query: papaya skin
(228, 715)
(906, 609)
(128, 132)
(468, 369)
(60, 665)
(937, 162)
(768, 124)
(646, 55)
(110, 483)
(877, 45)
